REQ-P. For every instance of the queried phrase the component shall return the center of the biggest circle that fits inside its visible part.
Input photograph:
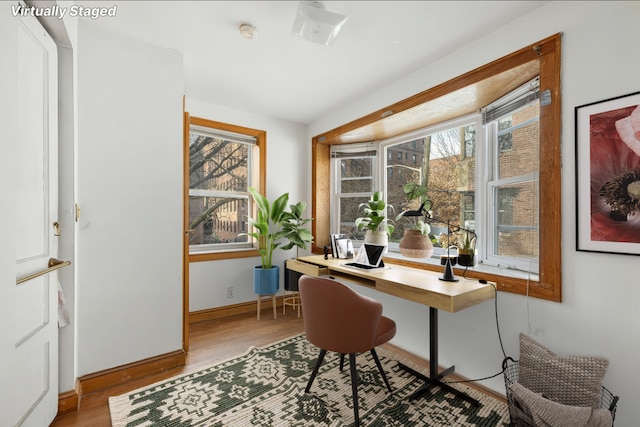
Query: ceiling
(292, 79)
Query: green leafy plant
(295, 227)
(375, 218)
(415, 191)
(273, 223)
(467, 243)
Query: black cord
(504, 365)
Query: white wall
(287, 149)
(600, 312)
(129, 188)
(66, 217)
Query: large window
(452, 160)
(525, 203)
(223, 162)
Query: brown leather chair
(336, 318)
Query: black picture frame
(607, 143)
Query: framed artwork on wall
(608, 175)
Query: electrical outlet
(230, 292)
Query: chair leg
(315, 369)
(384, 376)
(341, 361)
(354, 387)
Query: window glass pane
(215, 220)
(517, 221)
(219, 177)
(356, 175)
(348, 214)
(400, 172)
(470, 141)
(518, 139)
(217, 164)
(449, 176)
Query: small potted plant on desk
(415, 242)
(467, 249)
(378, 226)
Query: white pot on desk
(377, 238)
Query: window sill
(433, 263)
(506, 280)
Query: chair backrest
(336, 318)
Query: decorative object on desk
(345, 248)
(378, 226)
(448, 275)
(467, 249)
(334, 248)
(415, 242)
(265, 386)
(448, 256)
(608, 175)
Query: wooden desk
(421, 286)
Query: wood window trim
(541, 58)
(261, 142)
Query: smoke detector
(248, 31)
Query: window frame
(258, 166)
(542, 58)
(487, 197)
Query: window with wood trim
(223, 162)
(463, 95)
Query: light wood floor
(210, 342)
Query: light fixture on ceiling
(314, 23)
(248, 31)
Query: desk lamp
(447, 275)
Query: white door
(35, 361)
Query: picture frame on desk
(334, 247)
(345, 248)
(608, 175)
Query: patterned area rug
(265, 387)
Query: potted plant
(415, 242)
(378, 226)
(466, 249)
(268, 230)
(299, 236)
(295, 227)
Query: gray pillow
(545, 412)
(570, 380)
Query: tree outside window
(222, 166)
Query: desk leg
(434, 376)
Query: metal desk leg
(434, 376)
